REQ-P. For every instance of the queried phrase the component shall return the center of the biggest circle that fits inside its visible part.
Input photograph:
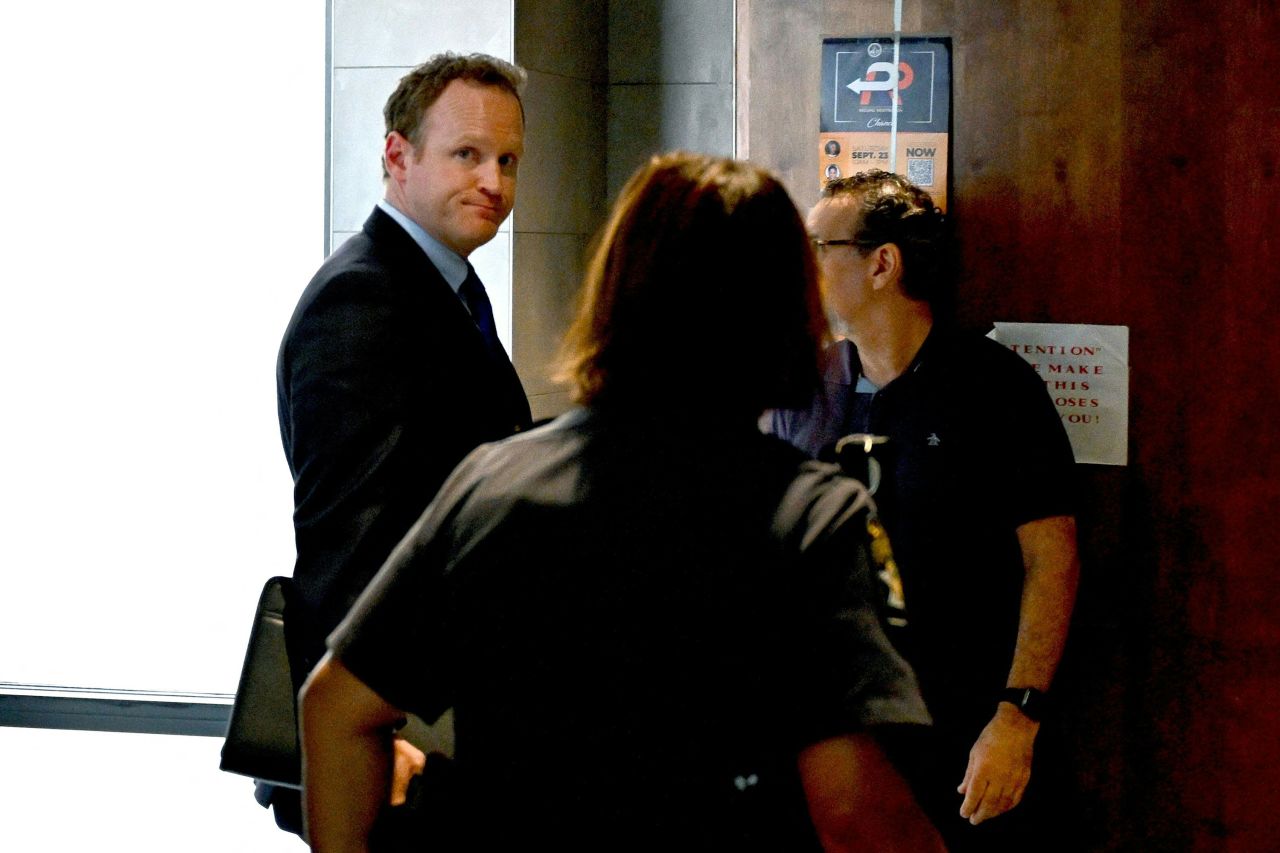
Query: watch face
(1028, 700)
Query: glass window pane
(67, 790)
(163, 167)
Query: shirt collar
(845, 369)
(925, 355)
(841, 357)
(450, 264)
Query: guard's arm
(347, 757)
(859, 801)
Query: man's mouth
(485, 209)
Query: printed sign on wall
(864, 93)
(1086, 369)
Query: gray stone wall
(563, 45)
(671, 77)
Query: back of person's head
(890, 209)
(424, 85)
(701, 292)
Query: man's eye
(464, 153)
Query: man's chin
(484, 231)
(476, 237)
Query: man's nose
(489, 177)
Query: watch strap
(1029, 700)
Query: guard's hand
(409, 761)
(999, 765)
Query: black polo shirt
(976, 449)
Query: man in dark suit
(390, 370)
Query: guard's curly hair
(893, 210)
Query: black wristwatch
(1028, 700)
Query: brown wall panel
(1116, 163)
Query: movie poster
(876, 115)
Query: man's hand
(999, 765)
(408, 762)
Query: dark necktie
(477, 301)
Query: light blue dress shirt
(450, 264)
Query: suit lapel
(421, 275)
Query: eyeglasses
(821, 244)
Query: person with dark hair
(976, 495)
(656, 632)
(391, 369)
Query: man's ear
(886, 266)
(396, 153)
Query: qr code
(920, 171)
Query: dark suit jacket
(383, 384)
